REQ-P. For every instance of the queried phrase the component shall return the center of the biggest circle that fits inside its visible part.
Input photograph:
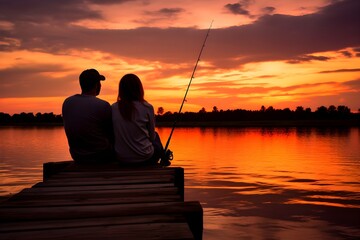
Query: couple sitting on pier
(123, 132)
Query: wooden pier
(102, 202)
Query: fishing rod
(168, 154)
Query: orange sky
(276, 53)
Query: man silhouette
(87, 121)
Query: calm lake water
(253, 183)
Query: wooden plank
(100, 187)
(89, 211)
(88, 222)
(53, 168)
(90, 201)
(80, 177)
(24, 195)
(99, 181)
(116, 172)
(114, 168)
(148, 231)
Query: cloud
(307, 58)
(36, 80)
(346, 54)
(268, 10)
(283, 37)
(270, 38)
(106, 2)
(40, 12)
(354, 84)
(342, 70)
(169, 12)
(237, 9)
(357, 51)
(161, 15)
(309, 95)
(234, 88)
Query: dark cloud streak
(166, 11)
(346, 54)
(342, 70)
(107, 2)
(308, 58)
(40, 11)
(237, 9)
(268, 10)
(162, 15)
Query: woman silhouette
(136, 142)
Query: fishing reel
(165, 160)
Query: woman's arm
(151, 127)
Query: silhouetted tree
(215, 109)
(5, 118)
(202, 110)
(270, 109)
(321, 112)
(299, 109)
(287, 110)
(23, 118)
(160, 111)
(331, 109)
(299, 112)
(343, 110)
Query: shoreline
(267, 123)
(255, 123)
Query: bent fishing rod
(187, 90)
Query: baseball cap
(91, 75)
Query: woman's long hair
(130, 90)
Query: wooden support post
(179, 181)
(194, 219)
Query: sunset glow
(276, 53)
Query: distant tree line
(215, 115)
(30, 118)
(263, 114)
